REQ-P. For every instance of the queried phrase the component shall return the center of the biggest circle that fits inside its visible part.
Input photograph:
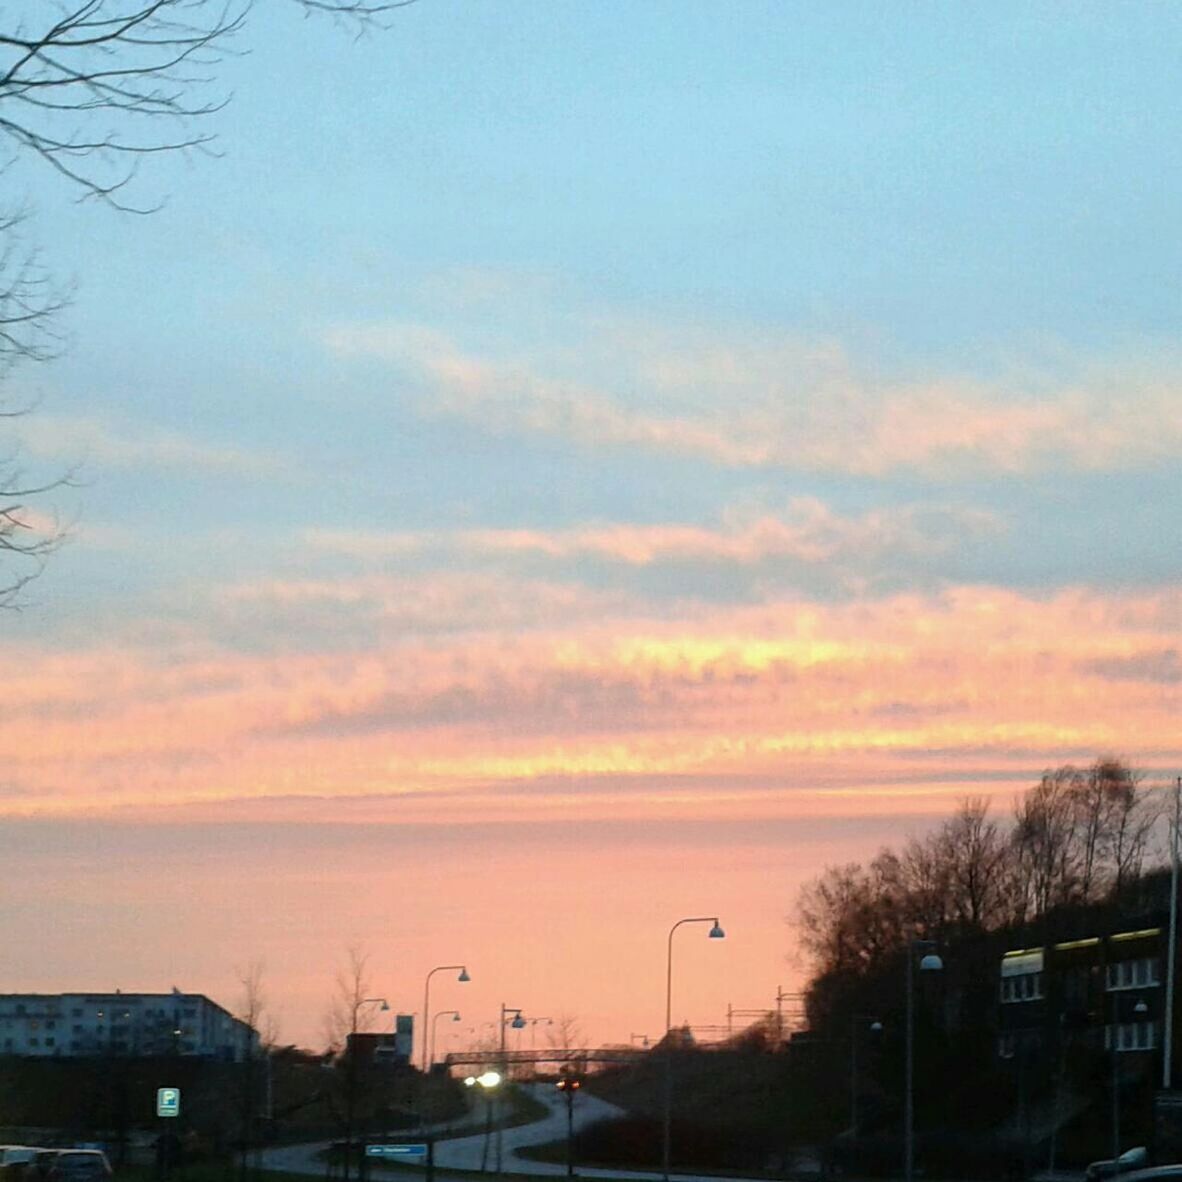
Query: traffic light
(567, 1084)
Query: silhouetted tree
(93, 88)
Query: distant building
(1104, 990)
(126, 1024)
(391, 1049)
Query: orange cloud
(808, 532)
(740, 710)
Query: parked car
(1132, 1159)
(16, 1160)
(1154, 1174)
(79, 1165)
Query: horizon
(563, 469)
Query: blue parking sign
(168, 1101)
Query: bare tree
(1045, 841)
(972, 851)
(29, 308)
(258, 1040)
(93, 88)
(565, 1034)
(350, 1014)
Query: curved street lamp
(518, 1023)
(930, 963)
(455, 1017)
(440, 968)
(715, 933)
(874, 1026)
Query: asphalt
(470, 1152)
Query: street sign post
(414, 1152)
(168, 1101)
(411, 1153)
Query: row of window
(1132, 1036)
(1121, 974)
(1027, 987)
(1133, 974)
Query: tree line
(1077, 838)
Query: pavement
(470, 1152)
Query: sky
(561, 468)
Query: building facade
(1108, 991)
(48, 1025)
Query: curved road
(465, 1153)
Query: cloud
(85, 440)
(672, 706)
(807, 532)
(1163, 666)
(755, 401)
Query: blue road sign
(168, 1101)
(414, 1152)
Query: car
(79, 1165)
(1169, 1173)
(1132, 1159)
(16, 1159)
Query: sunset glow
(632, 475)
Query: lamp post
(716, 933)
(488, 1082)
(533, 1031)
(518, 1023)
(1140, 1009)
(930, 963)
(455, 1017)
(859, 1021)
(440, 968)
(351, 1074)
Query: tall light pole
(351, 1073)
(716, 933)
(1140, 1009)
(439, 968)
(1167, 1058)
(455, 1017)
(518, 1024)
(930, 963)
(859, 1021)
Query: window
(1133, 974)
(1027, 987)
(1132, 1036)
(49, 1042)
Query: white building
(102, 1024)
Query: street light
(455, 1017)
(351, 1073)
(868, 1022)
(930, 963)
(487, 1082)
(441, 968)
(1140, 1009)
(716, 933)
(518, 1023)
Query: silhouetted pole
(1167, 1059)
(716, 933)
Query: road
(467, 1153)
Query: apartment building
(124, 1024)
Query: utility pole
(1172, 954)
(568, 1085)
